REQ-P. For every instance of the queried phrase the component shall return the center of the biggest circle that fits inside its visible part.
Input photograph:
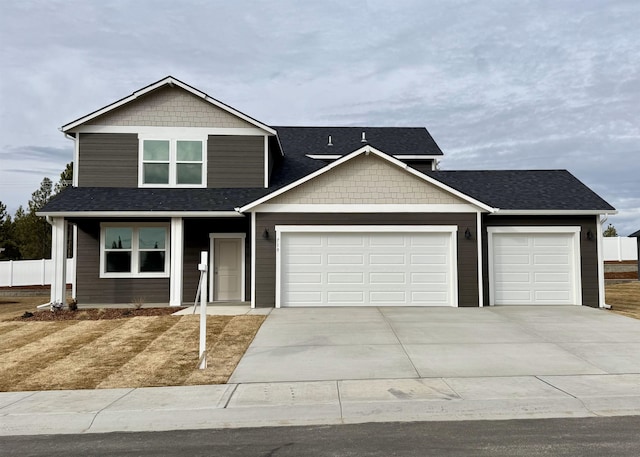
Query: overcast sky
(499, 84)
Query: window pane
(117, 237)
(156, 173)
(151, 261)
(151, 237)
(118, 262)
(156, 150)
(189, 173)
(189, 151)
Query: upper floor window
(172, 163)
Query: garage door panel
(429, 278)
(429, 259)
(533, 268)
(387, 240)
(390, 297)
(342, 241)
(387, 259)
(343, 259)
(345, 278)
(387, 278)
(551, 259)
(346, 297)
(353, 269)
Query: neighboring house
(310, 216)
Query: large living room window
(172, 163)
(129, 250)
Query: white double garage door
(358, 266)
(417, 266)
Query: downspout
(602, 220)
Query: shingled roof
(120, 199)
(344, 140)
(524, 189)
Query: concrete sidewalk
(318, 402)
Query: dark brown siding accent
(422, 166)
(196, 235)
(266, 251)
(235, 161)
(588, 249)
(91, 289)
(108, 160)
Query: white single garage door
(366, 269)
(534, 268)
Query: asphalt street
(587, 437)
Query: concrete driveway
(317, 344)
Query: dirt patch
(94, 314)
(624, 298)
(621, 275)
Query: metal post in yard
(203, 310)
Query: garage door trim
(576, 267)
(446, 229)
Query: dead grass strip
(23, 362)
(170, 359)
(225, 352)
(86, 367)
(27, 333)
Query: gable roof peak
(171, 82)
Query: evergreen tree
(610, 231)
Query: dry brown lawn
(131, 352)
(624, 298)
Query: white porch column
(176, 261)
(59, 257)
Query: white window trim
(452, 230)
(173, 162)
(577, 270)
(135, 252)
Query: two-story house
(309, 216)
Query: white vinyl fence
(620, 248)
(31, 272)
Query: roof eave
(554, 212)
(138, 214)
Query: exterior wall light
(265, 234)
(467, 234)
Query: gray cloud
(499, 84)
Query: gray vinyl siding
(266, 251)
(91, 289)
(235, 161)
(588, 249)
(108, 160)
(196, 235)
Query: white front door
(227, 269)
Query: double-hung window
(172, 163)
(134, 250)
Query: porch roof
(120, 199)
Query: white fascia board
(368, 208)
(367, 228)
(171, 82)
(398, 156)
(553, 212)
(135, 214)
(169, 131)
(367, 150)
